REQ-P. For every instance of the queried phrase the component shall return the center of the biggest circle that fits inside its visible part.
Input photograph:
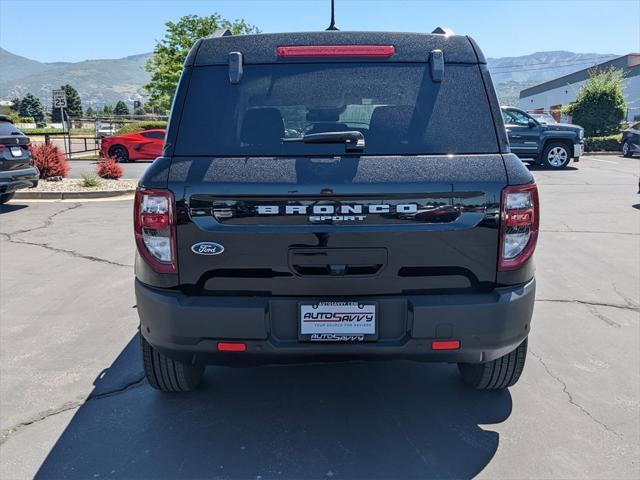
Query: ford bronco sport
(315, 202)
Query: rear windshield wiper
(353, 139)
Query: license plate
(16, 152)
(338, 321)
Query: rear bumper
(487, 325)
(12, 180)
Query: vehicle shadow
(350, 420)
(11, 207)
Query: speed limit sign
(59, 99)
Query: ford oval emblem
(207, 248)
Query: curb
(26, 195)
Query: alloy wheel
(557, 156)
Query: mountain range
(98, 82)
(102, 82)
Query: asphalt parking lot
(74, 403)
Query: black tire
(120, 153)
(5, 197)
(166, 374)
(498, 374)
(559, 161)
(626, 149)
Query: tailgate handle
(337, 262)
(336, 270)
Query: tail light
(2, 147)
(519, 224)
(336, 51)
(154, 226)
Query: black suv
(551, 145)
(315, 202)
(16, 164)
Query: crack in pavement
(48, 222)
(633, 308)
(594, 311)
(73, 253)
(6, 433)
(570, 397)
(629, 301)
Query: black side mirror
(532, 123)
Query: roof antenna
(333, 17)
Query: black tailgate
(339, 226)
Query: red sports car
(146, 145)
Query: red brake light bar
(336, 51)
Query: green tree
(139, 111)
(121, 108)
(107, 110)
(74, 104)
(169, 54)
(600, 105)
(90, 112)
(155, 109)
(30, 106)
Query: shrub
(140, 126)
(90, 180)
(50, 161)
(600, 105)
(110, 168)
(610, 143)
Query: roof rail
(443, 31)
(221, 32)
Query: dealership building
(551, 96)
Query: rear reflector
(336, 51)
(445, 344)
(231, 347)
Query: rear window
(396, 106)
(8, 128)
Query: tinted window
(514, 117)
(395, 105)
(159, 135)
(7, 128)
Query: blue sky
(75, 30)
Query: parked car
(550, 145)
(544, 118)
(145, 145)
(397, 239)
(16, 164)
(106, 131)
(631, 140)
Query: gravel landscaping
(75, 185)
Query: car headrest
(262, 126)
(328, 127)
(390, 123)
